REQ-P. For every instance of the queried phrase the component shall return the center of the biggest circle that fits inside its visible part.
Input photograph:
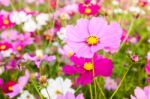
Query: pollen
(88, 66)
(92, 40)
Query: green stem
(129, 31)
(41, 97)
(101, 90)
(91, 92)
(123, 78)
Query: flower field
(74, 49)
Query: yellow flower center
(5, 21)
(19, 48)
(92, 40)
(70, 53)
(58, 92)
(88, 66)
(87, 10)
(10, 88)
(2, 47)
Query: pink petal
(85, 78)
(70, 95)
(103, 67)
(139, 93)
(112, 36)
(82, 28)
(69, 70)
(80, 96)
(97, 26)
(73, 35)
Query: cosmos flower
(147, 67)
(5, 46)
(5, 2)
(38, 58)
(141, 93)
(57, 87)
(89, 36)
(69, 95)
(88, 9)
(5, 22)
(26, 95)
(9, 35)
(110, 84)
(12, 88)
(89, 68)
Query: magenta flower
(12, 88)
(5, 46)
(89, 36)
(141, 93)
(71, 96)
(89, 68)
(5, 22)
(88, 9)
(147, 67)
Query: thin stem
(13, 7)
(41, 97)
(95, 88)
(129, 31)
(48, 93)
(123, 78)
(91, 92)
(101, 90)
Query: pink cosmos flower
(38, 60)
(88, 9)
(9, 35)
(147, 67)
(110, 84)
(25, 38)
(141, 93)
(5, 22)
(89, 68)
(5, 2)
(71, 96)
(89, 36)
(66, 51)
(5, 46)
(12, 88)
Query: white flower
(39, 53)
(26, 95)
(19, 17)
(118, 11)
(62, 33)
(136, 10)
(114, 2)
(42, 19)
(30, 26)
(57, 87)
(6, 53)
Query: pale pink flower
(141, 93)
(89, 36)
